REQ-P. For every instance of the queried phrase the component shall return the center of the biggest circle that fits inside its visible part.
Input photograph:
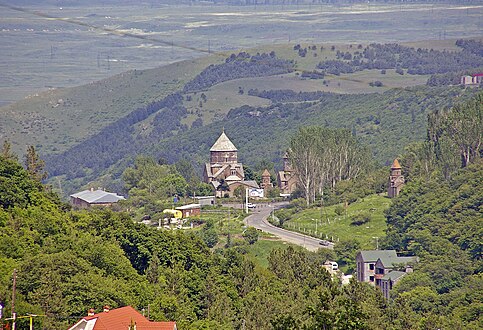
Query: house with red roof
(474, 79)
(124, 318)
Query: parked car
(251, 205)
(335, 265)
(324, 242)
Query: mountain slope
(56, 120)
(385, 122)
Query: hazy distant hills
(230, 2)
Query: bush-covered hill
(385, 122)
(164, 112)
(415, 61)
(68, 261)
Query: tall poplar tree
(7, 152)
(34, 165)
(322, 156)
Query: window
(371, 278)
(371, 266)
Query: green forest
(68, 261)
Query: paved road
(258, 219)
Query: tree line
(68, 261)
(321, 157)
(415, 61)
(438, 215)
(454, 140)
(288, 95)
(241, 65)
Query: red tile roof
(120, 319)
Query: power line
(127, 34)
(105, 29)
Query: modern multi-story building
(382, 268)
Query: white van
(335, 265)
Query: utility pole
(14, 315)
(246, 200)
(60, 186)
(1, 315)
(377, 242)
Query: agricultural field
(76, 45)
(327, 224)
(225, 96)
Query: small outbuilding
(206, 200)
(99, 197)
(189, 210)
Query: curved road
(258, 219)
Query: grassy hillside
(58, 119)
(338, 227)
(386, 122)
(61, 118)
(177, 111)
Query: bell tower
(396, 180)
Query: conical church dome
(223, 144)
(395, 164)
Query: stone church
(396, 180)
(224, 172)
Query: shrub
(251, 235)
(360, 219)
(339, 210)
